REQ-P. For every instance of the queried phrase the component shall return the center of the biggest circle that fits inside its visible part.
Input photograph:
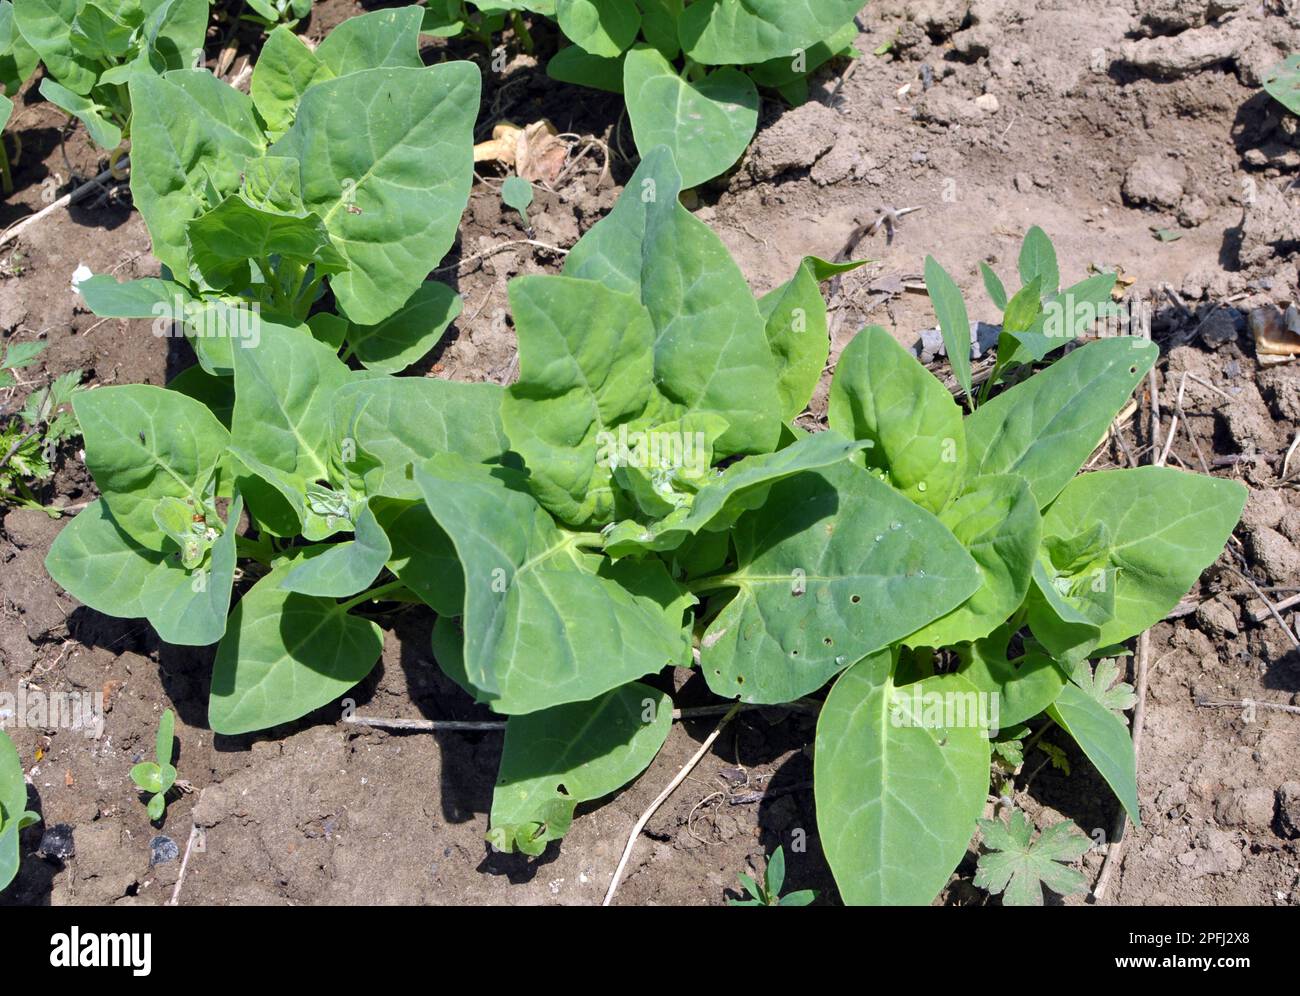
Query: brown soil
(1106, 123)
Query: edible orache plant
(30, 437)
(93, 49)
(155, 778)
(363, 189)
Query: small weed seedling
(517, 193)
(1018, 869)
(272, 13)
(30, 438)
(768, 893)
(156, 778)
(14, 815)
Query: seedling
(517, 193)
(30, 438)
(14, 815)
(155, 778)
(768, 893)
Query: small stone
(1023, 183)
(1288, 809)
(1248, 808)
(56, 843)
(1155, 180)
(1219, 328)
(1193, 211)
(162, 849)
(1217, 617)
(988, 103)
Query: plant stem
(374, 594)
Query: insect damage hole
(855, 599)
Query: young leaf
(286, 654)
(1104, 685)
(590, 627)
(774, 876)
(147, 776)
(897, 793)
(798, 332)
(1283, 83)
(881, 393)
(345, 568)
(144, 443)
(601, 27)
(834, 566)
(1024, 687)
(993, 286)
(710, 348)
(391, 185)
(103, 132)
(997, 521)
(707, 123)
(423, 557)
(1019, 869)
(573, 65)
(157, 806)
(1044, 428)
(1038, 261)
(1164, 527)
(586, 366)
(379, 38)
(1066, 612)
(284, 70)
(559, 757)
(517, 193)
(164, 743)
(950, 309)
(1104, 738)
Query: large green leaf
(1102, 736)
(546, 622)
(102, 567)
(711, 351)
(604, 28)
(733, 32)
(706, 122)
(586, 366)
(572, 65)
(898, 793)
(882, 393)
(1024, 686)
(46, 26)
(391, 425)
(144, 443)
(282, 428)
(191, 135)
(1163, 528)
(285, 68)
(407, 335)
(997, 521)
(387, 162)
(740, 487)
(380, 38)
(834, 566)
(286, 654)
(559, 757)
(17, 58)
(1044, 428)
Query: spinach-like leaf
(898, 790)
(1024, 686)
(1104, 738)
(734, 32)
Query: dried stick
(15, 230)
(660, 799)
(1247, 704)
(185, 863)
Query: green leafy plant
(641, 494)
(93, 49)
(690, 72)
(259, 205)
(768, 893)
(14, 815)
(271, 13)
(482, 19)
(29, 438)
(1018, 869)
(155, 778)
(1283, 83)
